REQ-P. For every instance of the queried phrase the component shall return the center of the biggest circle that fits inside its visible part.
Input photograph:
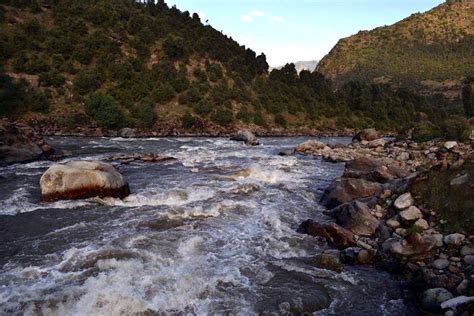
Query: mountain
(429, 52)
(301, 65)
(109, 64)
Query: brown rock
(344, 190)
(334, 234)
(356, 217)
(368, 134)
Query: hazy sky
(293, 30)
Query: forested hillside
(430, 53)
(122, 63)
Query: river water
(213, 232)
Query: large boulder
(19, 143)
(356, 217)
(82, 179)
(344, 190)
(372, 170)
(312, 147)
(334, 234)
(247, 137)
(127, 132)
(368, 134)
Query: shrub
(223, 117)
(204, 107)
(456, 128)
(174, 48)
(188, 120)
(39, 102)
(215, 72)
(104, 110)
(280, 120)
(86, 82)
(163, 93)
(51, 79)
(145, 114)
(425, 131)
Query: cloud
(250, 17)
(256, 13)
(276, 19)
(247, 18)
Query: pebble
(404, 201)
(455, 259)
(454, 239)
(401, 232)
(466, 250)
(393, 223)
(433, 298)
(422, 224)
(469, 259)
(439, 240)
(440, 264)
(411, 214)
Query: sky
(295, 30)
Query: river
(213, 232)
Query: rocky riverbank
(382, 211)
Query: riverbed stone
(414, 246)
(433, 298)
(411, 214)
(368, 134)
(404, 201)
(334, 234)
(393, 223)
(343, 190)
(421, 224)
(246, 136)
(82, 179)
(440, 264)
(330, 261)
(469, 259)
(467, 250)
(454, 239)
(356, 217)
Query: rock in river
(82, 179)
(334, 234)
(368, 134)
(247, 137)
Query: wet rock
(82, 179)
(433, 298)
(334, 234)
(19, 143)
(356, 217)
(404, 201)
(440, 264)
(286, 153)
(411, 214)
(247, 137)
(344, 190)
(454, 239)
(127, 132)
(368, 134)
(349, 255)
(462, 287)
(330, 261)
(414, 246)
(312, 147)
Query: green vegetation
(433, 46)
(453, 203)
(126, 63)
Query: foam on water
(215, 234)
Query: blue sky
(294, 30)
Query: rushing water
(213, 232)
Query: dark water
(210, 233)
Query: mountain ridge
(430, 52)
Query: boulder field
(374, 217)
(82, 179)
